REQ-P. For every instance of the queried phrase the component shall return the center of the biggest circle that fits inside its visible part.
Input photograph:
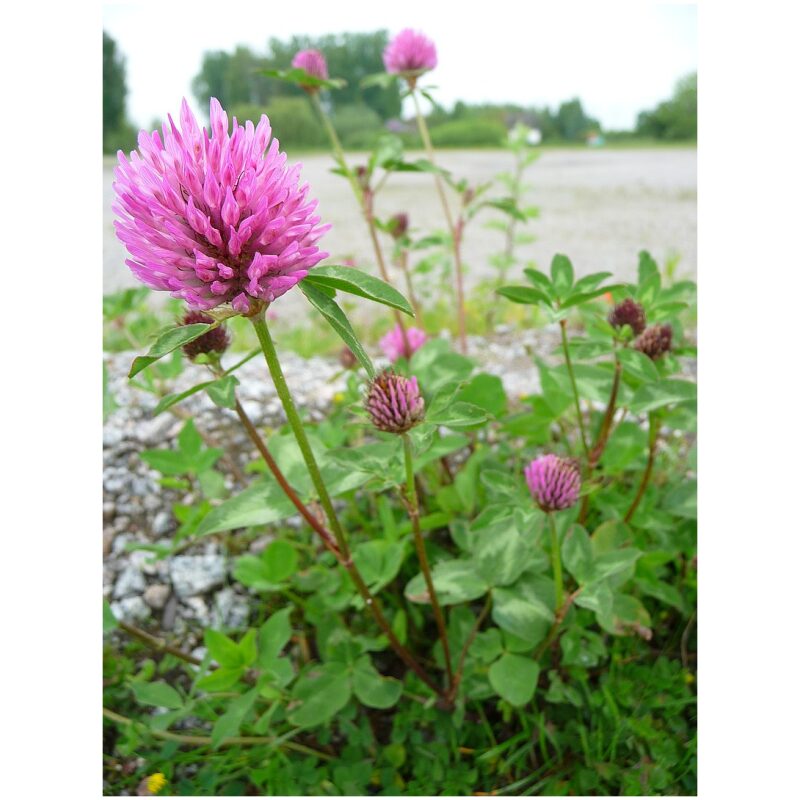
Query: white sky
(618, 57)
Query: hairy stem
(296, 424)
(456, 229)
(565, 346)
(156, 643)
(555, 551)
(561, 612)
(206, 740)
(364, 199)
(648, 471)
(419, 543)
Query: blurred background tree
(676, 118)
(361, 115)
(118, 133)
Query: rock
(153, 432)
(162, 523)
(199, 609)
(156, 596)
(170, 613)
(130, 581)
(193, 575)
(109, 509)
(130, 609)
(230, 609)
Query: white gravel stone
(130, 581)
(193, 575)
(130, 609)
(156, 596)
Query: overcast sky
(618, 57)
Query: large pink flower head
(554, 483)
(394, 343)
(410, 51)
(214, 217)
(313, 62)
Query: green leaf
(321, 693)
(280, 560)
(576, 298)
(274, 635)
(588, 283)
(524, 294)
(259, 504)
(596, 596)
(223, 649)
(609, 564)
(339, 322)
(169, 400)
(360, 283)
(458, 415)
(514, 678)
(167, 462)
(378, 561)
(169, 341)
(501, 553)
(300, 77)
(190, 443)
(223, 391)
(109, 620)
(455, 581)
(576, 551)
(521, 613)
(540, 280)
(231, 721)
(157, 694)
(638, 364)
(666, 392)
(485, 391)
(220, 680)
(562, 274)
(371, 688)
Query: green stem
(651, 457)
(455, 230)
(296, 424)
(565, 345)
(337, 146)
(419, 542)
(556, 555)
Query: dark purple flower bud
(628, 312)
(347, 358)
(394, 403)
(398, 225)
(655, 341)
(554, 482)
(215, 340)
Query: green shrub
(469, 133)
(357, 125)
(291, 117)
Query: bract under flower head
(214, 341)
(394, 402)
(410, 52)
(554, 482)
(395, 345)
(313, 62)
(214, 217)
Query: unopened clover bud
(394, 403)
(214, 341)
(655, 341)
(313, 62)
(628, 312)
(398, 225)
(554, 482)
(347, 358)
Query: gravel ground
(184, 592)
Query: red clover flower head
(216, 340)
(313, 62)
(410, 52)
(628, 312)
(395, 345)
(394, 403)
(554, 482)
(215, 217)
(655, 341)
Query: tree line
(361, 114)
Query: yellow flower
(156, 782)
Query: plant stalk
(565, 346)
(651, 457)
(555, 551)
(419, 542)
(456, 230)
